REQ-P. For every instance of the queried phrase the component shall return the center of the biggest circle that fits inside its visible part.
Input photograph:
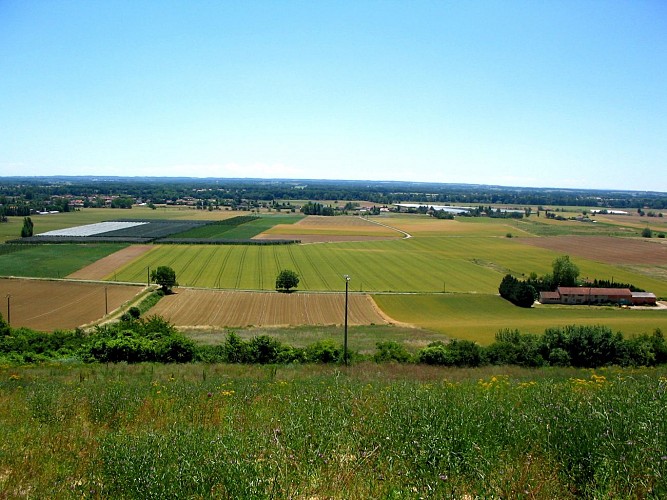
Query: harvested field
(191, 307)
(60, 305)
(319, 238)
(107, 265)
(605, 249)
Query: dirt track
(107, 265)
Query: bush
(324, 351)
(391, 351)
(134, 341)
(514, 348)
(461, 353)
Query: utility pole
(106, 302)
(347, 284)
(9, 313)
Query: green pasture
(53, 261)
(374, 266)
(479, 317)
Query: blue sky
(534, 93)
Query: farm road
(405, 234)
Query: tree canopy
(164, 276)
(565, 272)
(286, 280)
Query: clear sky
(520, 93)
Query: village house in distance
(590, 295)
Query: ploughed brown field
(107, 265)
(605, 248)
(60, 305)
(221, 308)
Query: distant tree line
(49, 193)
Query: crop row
(413, 265)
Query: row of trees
(135, 339)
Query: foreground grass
(306, 431)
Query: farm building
(590, 295)
(643, 298)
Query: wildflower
(209, 395)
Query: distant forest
(20, 195)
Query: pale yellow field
(340, 228)
(425, 226)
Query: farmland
(465, 258)
(52, 305)
(52, 261)
(240, 309)
(434, 264)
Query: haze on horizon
(538, 94)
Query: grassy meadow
(479, 317)
(193, 431)
(52, 261)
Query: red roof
(585, 290)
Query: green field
(451, 264)
(53, 261)
(312, 431)
(479, 317)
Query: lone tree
(165, 277)
(28, 227)
(565, 273)
(286, 280)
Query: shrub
(324, 351)
(456, 353)
(391, 351)
(514, 348)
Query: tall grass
(368, 431)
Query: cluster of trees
(520, 293)
(524, 292)
(311, 208)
